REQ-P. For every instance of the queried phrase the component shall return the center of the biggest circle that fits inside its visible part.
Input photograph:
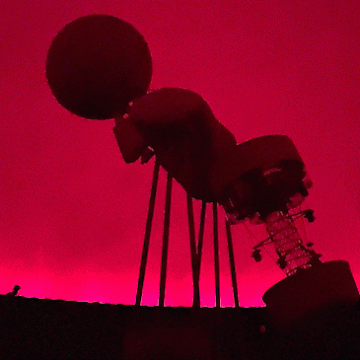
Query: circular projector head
(96, 65)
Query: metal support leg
(165, 241)
(232, 263)
(216, 255)
(147, 233)
(194, 255)
(201, 237)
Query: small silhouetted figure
(14, 291)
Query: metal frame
(195, 249)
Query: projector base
(320, 287)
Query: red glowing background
(72, 213)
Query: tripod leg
(147, 233)
(201, 236)
(216, 255)
(194, 260)
(165, 241)
(232, 263)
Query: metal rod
(194, 260)
(165, 241)
(232, 263)
(216, 255)
(201, 236)
(147, 233)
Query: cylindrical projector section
(271, 177)
(317, 288)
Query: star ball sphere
(96, 65)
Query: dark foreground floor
(54, 329)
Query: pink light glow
(72, 213)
